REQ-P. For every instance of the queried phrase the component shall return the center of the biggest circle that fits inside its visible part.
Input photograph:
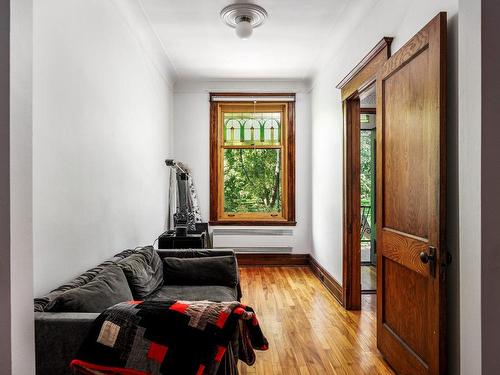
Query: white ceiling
(288, 46)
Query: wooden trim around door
(351, 267)
(365, 71)
(358, 80)
(369, 111)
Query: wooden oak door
(411, 141)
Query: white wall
(191, 118)
(21, 187)
(470, 185)
(102, 128)
(5, 217)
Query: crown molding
(141, 28)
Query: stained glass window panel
(252, 129)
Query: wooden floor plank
(309, 332)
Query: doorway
(359, 237)
(411, 199)
(367, 174)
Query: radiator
(254, 240)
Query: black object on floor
(193, 239)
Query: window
(252, 160)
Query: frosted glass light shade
(244, 29)
(243, 17)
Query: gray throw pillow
(200, 271)
(108, 288)
(144, 272)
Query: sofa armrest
(199, 253)
(58, 337)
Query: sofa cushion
(106, 289)
(214, 293)
(144, 272)
(41, 303)
(200, 271)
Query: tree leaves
(252, 180)
(366, 166)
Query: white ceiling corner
(137, 19)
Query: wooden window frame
(217, 216)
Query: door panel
(406, 157)
(400, 315)
(411, 203)
(410, 257)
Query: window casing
(252, 162)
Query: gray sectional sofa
(190, 275)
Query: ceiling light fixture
(243, 18)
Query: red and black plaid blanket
(159, 337)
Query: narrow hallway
(308, 330)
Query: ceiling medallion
(243, 18)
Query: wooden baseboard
(327, 279)
(284, 260)
(258, 259)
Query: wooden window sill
(276, 223)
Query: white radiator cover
(254, 239)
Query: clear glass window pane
(252, 180)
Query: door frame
(361, 77)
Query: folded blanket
(160, 337)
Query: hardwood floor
(309, 332)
